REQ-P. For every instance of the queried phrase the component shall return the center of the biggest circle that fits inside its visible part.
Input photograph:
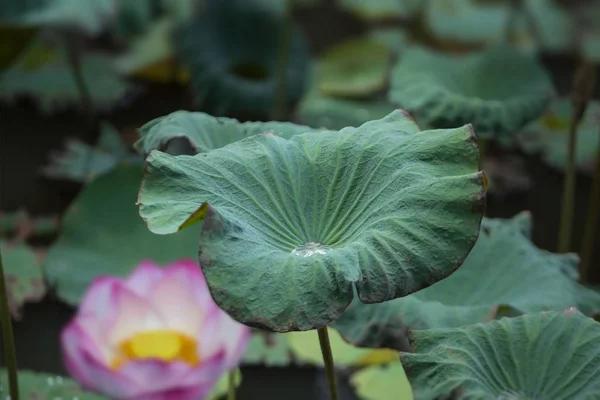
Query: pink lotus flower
(156, 335)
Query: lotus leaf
(89, 16)
(23, 226)
(81, 162)
(387, 382)
(498, 90)
(231, 52)
(290, 226)
(552, 355)
(355, 68)
(470, 22)
(395, 39)
(41, 386)
(504, 274)
(23, 272)
(204, 132)
(102, 234)
(381, 9)
(549, 135)
(307, 350)
(269, 349)
(43, 72)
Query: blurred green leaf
(23, 272)
(42, 386)
(102, 234)
(388, 382)
(373, 10)
(269, 349)
(43, 72)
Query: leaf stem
(589, 232)
(231, 385)
(8, 338)
(328, 360)
(583, 87)
(279, 99)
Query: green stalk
(328, 360)
(583, 88)
(231, 385)
(589, 232)
(279, 106)
(7, 334)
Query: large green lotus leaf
(549, 135)
(290, 226)
(382, 383)
(355, 68)
(469, 21)
(43, 72)
(504, 273)
(269, 349)
(41, 386)
(204, 132)
(306, 347)
(23, 272)
(89, 16)
(231, 52)
(102, 234)
(373, 10)
(498, 90)
(81, 162)
(552, 355)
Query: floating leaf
(387, 382)
(43, 72)
(381, 9)
(395, 39)
(88, 16)
(81, 162)
(355, 68)
(23, 272)
(102, 234)
(504, 273)
(204, 132)
(306, 347)
(497, 90)
(41, 386)
(552, 355)
(470, 22)
(269, 349)
(549, 135)
(290, 226)
(231, 52)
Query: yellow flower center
(555, 123)
(159, 345)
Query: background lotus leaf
(269, 349)
(514, 358)
(388, 382)
(354, 68)
(204, 132)
(41, 386)
(102, 234)
(42, 71)
(231, 53)
(81, 162)
(395, 39)
(504, 273)
(549, 135)
(23, 272)
(498, 90)
(308, 350)
(89, 16)
(290, 226)
(374, 10)
(21, 225)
